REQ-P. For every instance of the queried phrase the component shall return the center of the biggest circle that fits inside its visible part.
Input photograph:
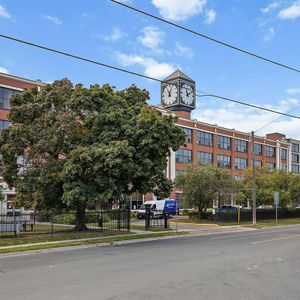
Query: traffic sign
(276, 198)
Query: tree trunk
(199, 212)
(80, 218)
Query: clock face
(169, 94)
(187, 94)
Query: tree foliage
(202, 185)
(84, 145)
(287, 184)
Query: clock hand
(189, 93)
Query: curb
(195, 224)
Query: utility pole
(253, 181)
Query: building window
(224, 161)
(188, 134)
(257, 149)
(284, 167)
(240, 163)
(5, 95)
(183, 156)
(4, 124)
(240, 146)
(205, 158)
(238, 178)
(257, 163)
(283, 153)
(223, 142)
(270, 151)
(295, 148)
(271, 166)
(295, 169)
(205, 138)
(295, 158)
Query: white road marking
(251, 233)
(276, 239)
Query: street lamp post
(253, 181)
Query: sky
(109, 33)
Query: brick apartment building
(205, 143)
(10, 85)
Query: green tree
(125, 151)
(287, 184)
(84, 145)
(201, 185)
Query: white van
(159, 207)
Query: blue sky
(101, 30)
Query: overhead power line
(275, 120)
(209, 38)
(76, 57)
(247, 104)
(205, 94)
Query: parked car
(159, 207)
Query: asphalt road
(260, 264)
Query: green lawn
(69, 234)
(110, 239)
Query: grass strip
(69, 235)
(260, 224)
(94, 241)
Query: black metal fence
(231, 215)
(156, 219)
(14, 224)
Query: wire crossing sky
(127, 40)
(208, 37)
(137, 74)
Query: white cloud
(183, 51)
(177, 10)
(152, 38)
(247, 119)
(55, 20)
(269, 34)
(210, 16)
(4, 70)
(4, 13)
(293, 91)
(115, 35)
(87, 15)
(291, 12)
(151, 67)
(270, 7)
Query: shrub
(185, 212)
(43, 216)
(204, 215)
(91, 218)
(67, 219)
(133, 215)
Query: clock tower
(178, 92)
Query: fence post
(128, 217)
(119, 219)
(100, 220)
(52, 229)
(147, 217)
(166, 220)
(14, 222)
